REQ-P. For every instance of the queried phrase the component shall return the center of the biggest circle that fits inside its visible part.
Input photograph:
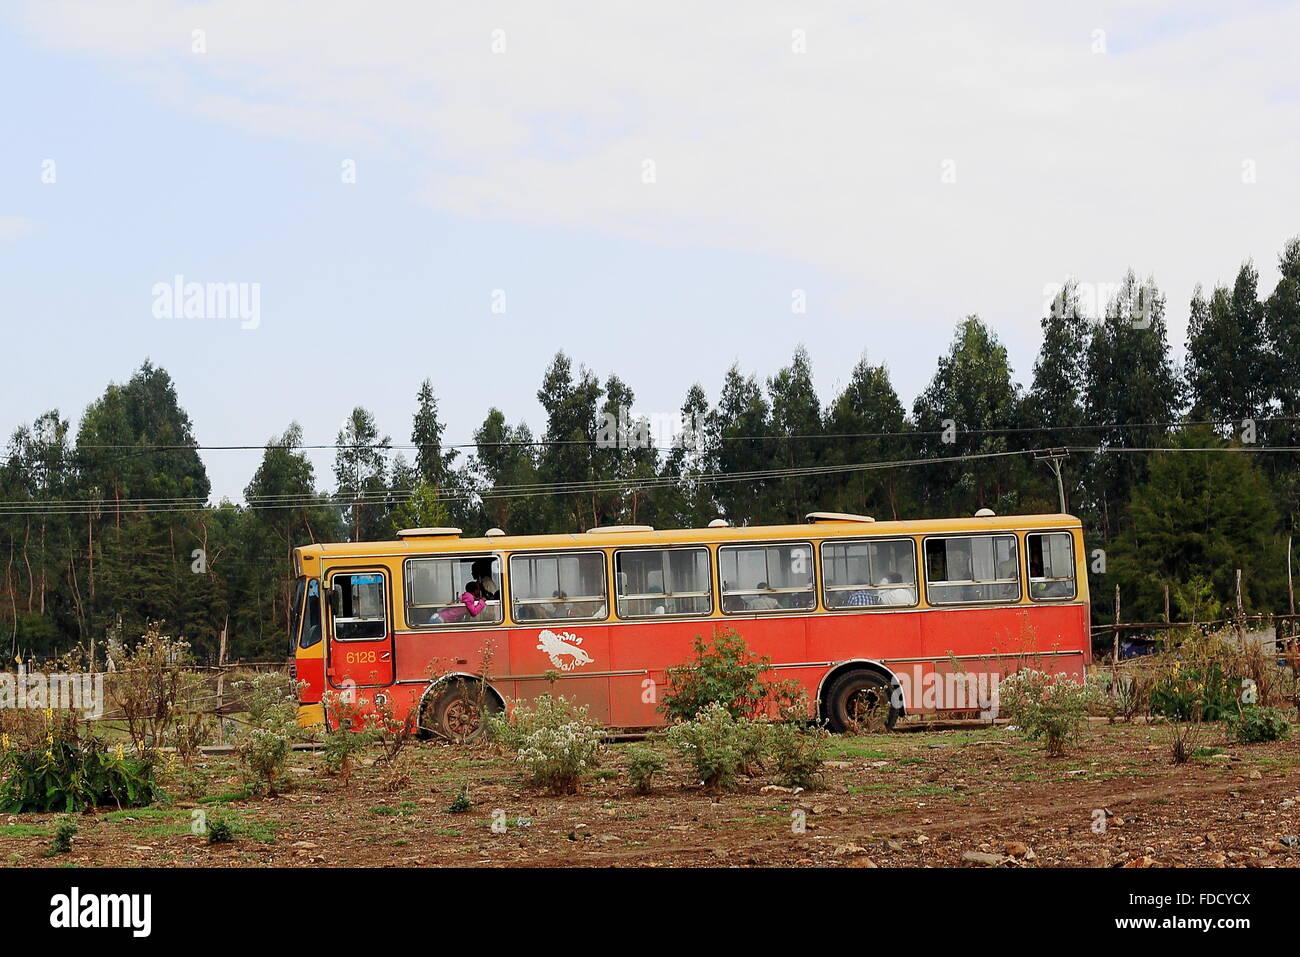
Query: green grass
(846, 747)
(25, 830)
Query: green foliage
(461, 803)
(1255, 723)
(220, 831)
(722, 672)
(73, 775)
(719, 746)
(264, 745)
(1199, 678)
(1199, 515)
(643, 763)
(798, 751)
(555, 743)
(1052, 707)
(65, 829)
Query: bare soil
(922, 799)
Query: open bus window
(434, 587)
(359, 606)
(972, 568)
(663, 581)
(295, 615)
(866, 573)
(1051, 565)
(560, 586)
(311, 620)
(765, 578)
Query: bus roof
(446, 540)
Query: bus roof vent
(615, 529)
(428, 533)
(985, 513)
(494, 532)
(814, 517)
(719, 523)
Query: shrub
(554, 743)
(461, 803)
(643, 763)
(65, 829)
(798, 750)
(265, 755)
(1052, 707)
(718, 745)
(348, 738)
(1255, 723)
(723, 672)
(546, 711)
(271, 699)
(68, 773)
(153, 689)
(1199, 679)
(220, 831)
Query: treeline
(1182, 475)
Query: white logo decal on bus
(563, 649)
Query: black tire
(456, 712)
(855, 697)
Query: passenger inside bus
(471, 604)
(481, 570)
(763, 602)
(894, 592)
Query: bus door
(361, 637)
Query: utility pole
(1053, 458)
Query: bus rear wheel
(459, 712)
(860, 701)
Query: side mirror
(336, 600)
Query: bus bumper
(310, 715)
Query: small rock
(862, 862)
(774, 789)
(1143, 861)
(1017, 849)
(843, 850)
(1291, 840)
(1255, 775)
(979, 857)
(835, 766)
(307, 844)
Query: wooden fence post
(1116, 624)
(221, 684)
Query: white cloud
(1066, 160)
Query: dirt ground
(972, 798)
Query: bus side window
(1051, 565)
(764, 578)
(663, 581)
(972, 568)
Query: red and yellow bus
(919, 615)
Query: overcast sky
(651, 187)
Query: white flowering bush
(719, 746)
(1052, 707)
(555, 743)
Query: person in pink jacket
(471, 603)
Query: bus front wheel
(459, 712)
(860, 701)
